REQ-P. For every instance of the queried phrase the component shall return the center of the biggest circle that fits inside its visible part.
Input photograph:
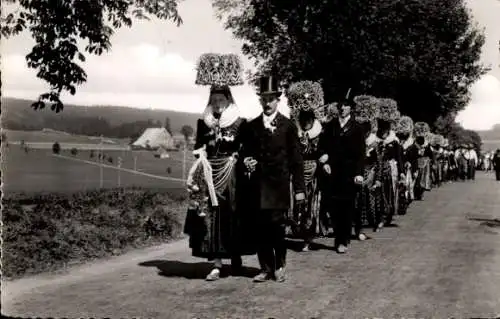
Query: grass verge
(47, 232)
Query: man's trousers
(271, 249)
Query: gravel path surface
(442, 261)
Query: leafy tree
(187, 131)
(423, 54)
(168, 126)
(458, 136)
(60, 26)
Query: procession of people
(335, 170)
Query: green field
(39, 171)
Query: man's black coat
(279, 160)
(346, 149)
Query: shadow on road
(494, 222)
(199, 270)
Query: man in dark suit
(342, 148)
(271, 154)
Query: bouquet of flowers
(219, 70)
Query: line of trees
(94, 126)
(423, 54)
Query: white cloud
(140, 76)
(483, 110)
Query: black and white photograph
(195, 159)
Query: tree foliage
(168, 126)
(424, 54)
(187, 131)
(59, 26)
(459, 136)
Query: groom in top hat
(272, 156)
(342, 148)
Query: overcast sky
(152, 65)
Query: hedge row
(49, 231)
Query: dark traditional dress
(306, 214)
(437, 167)
(410, 169)
(496, 165)
(462, 164)
(391, 168)
(369, 197)
(452, 166)
(423, 182)
(222, 233)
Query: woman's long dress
(410, 167)
(368, 197)
(306, 215)
(391, 166)
(423, 182)
(223, 232)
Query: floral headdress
(446, 142)
(404, 125)
(388, 111)
(421, 129)
(366, 108)
(437, 139)
(219, 70)
(304, 96)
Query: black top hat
(348, 99)
(269, 85)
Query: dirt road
(442, 261)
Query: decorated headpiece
(366, 108)
(421, 129)
(446, 142)
(404, 125)
(437, 140)
(304, 96)
(388, 111)
(429, 137)
(219, 70)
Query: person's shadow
(198, 270)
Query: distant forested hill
(111, 121)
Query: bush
(48, 231)
(74, 151)
(56, 148)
